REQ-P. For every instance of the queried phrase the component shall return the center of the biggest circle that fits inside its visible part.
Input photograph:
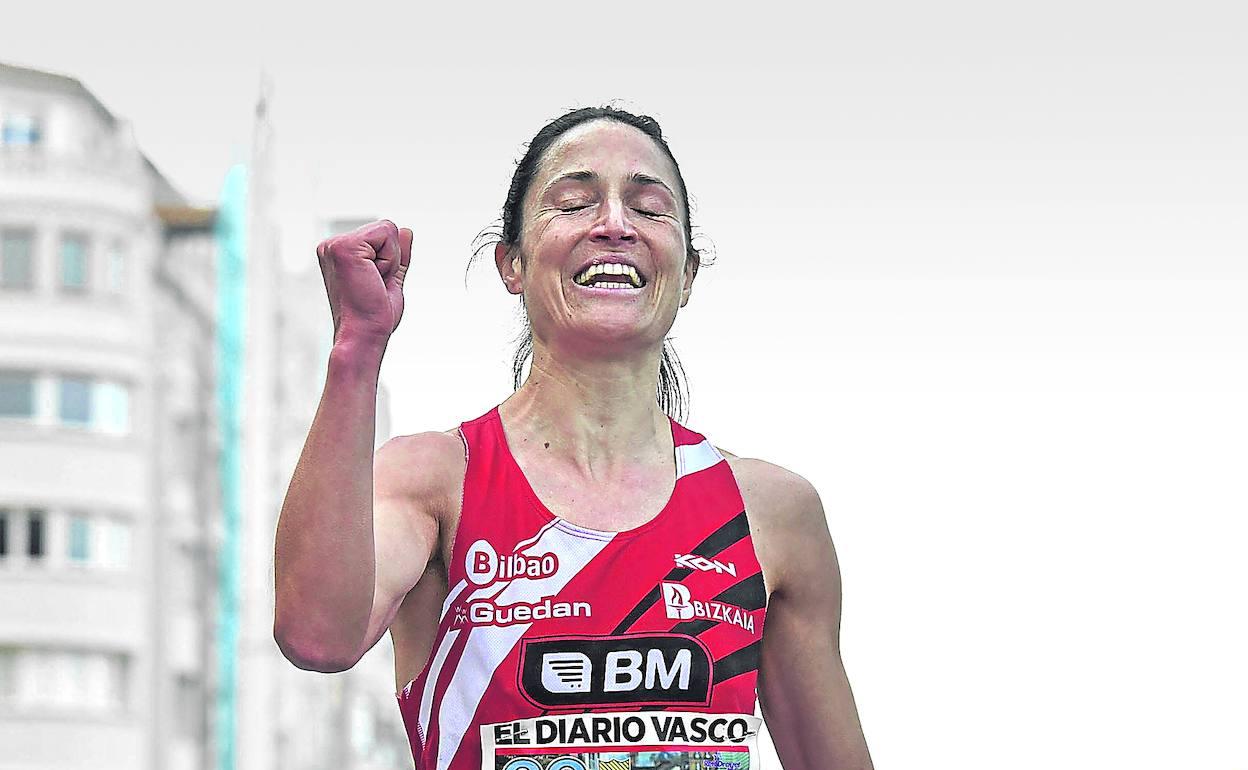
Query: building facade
(113, 545)
(99, 651)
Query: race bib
(624, 740)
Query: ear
(509, 267)
(691, 272)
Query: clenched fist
(363, 272)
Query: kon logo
(689, 561)
(483, 565)
(682, 606)
(663, 669)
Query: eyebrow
(592, 176)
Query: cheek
(554, 235)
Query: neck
(597, 415)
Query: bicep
(803, 688)
(408, 473)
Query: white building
(106, 444)
(111, 530)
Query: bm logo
(634, 669)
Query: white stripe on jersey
(444, 649)
(487, 646)
(435, 668)
(691, 458)
(526, 543)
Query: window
(115, 269)
(4, 533)
(103, 685)
(113, 549)
(17, 394)
(73, 263)
(20, 130)
(110, 407)
(76, 680)
(34, 534)
(79, 538)
(75, 407)
(98, 541)
(17, 249)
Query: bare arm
(802, 686)
(326, 551)
(334, 584)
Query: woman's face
(603, 193)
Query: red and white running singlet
(544, 617)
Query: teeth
(611, 268)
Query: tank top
(545, 617)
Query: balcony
(115, 181)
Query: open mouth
(610, 276)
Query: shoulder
(785, 513)
(426, 466)
(776, 490)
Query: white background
(981, 277)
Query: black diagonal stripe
(749, 595)
(734, 529)
(740, 662)
(730, 532)
(693, 627)
(646, 603)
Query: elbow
(310, 656)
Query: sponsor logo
(633, 669)
(484, 612)
(564, 672)
(484, 566)
(689, 561)
(682, 606)
(592, 730)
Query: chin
(609, 339)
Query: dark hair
(671, 392)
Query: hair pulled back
(671, 391)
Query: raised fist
(363, 272)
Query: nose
(613, 224)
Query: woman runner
(576, 549)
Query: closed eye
(643, 212)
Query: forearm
(324, 558)
(812, 717)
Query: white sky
(981, 278)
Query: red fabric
(614, 573)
